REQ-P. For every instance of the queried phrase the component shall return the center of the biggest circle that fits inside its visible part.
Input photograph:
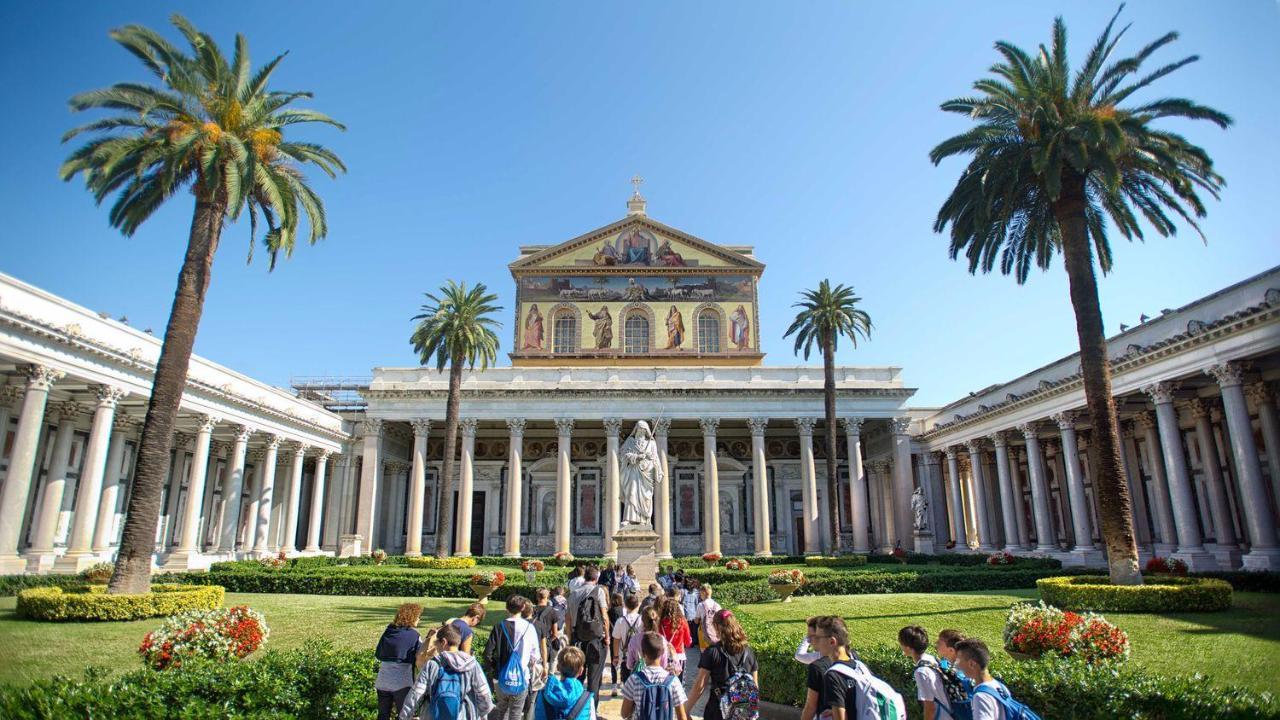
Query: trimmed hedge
(1054, 687)
(839, 561)
(93, 602)
(1162, 593)
(1019, 561)
(13, 584)
(435, 563)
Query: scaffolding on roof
(335, 393)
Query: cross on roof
(636, 181)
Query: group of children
(958, 684)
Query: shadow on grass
(857, 618)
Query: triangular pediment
(636, 244)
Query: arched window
(709, 331)
(565, 332)
(636, 333)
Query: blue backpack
(511, 678)
(447, 694)
(655, 703)
(1013, 710)
(957, 687)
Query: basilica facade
(634, 321)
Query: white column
(1084, 552)
(40, 556)
(466, 486)
(262, 534)
(1185, 512)
(859, 517)
(515, 486)
(22, 464)
(564, 485)
(104, 528)
(981, 504)
(9, 396)
(808, 488)
(711, 486)
(1045, 540)
(1264, 400)
(370, 471)
(1263, 553)
(1019, 500)
(1225, 548)
(760, 486)
(255, 457)
(1007, 508)
(294, 500)
(955, 508)
(417, 487)
(902, 481)
(317, 503)
(79, 553)
(232, 490)
(187, 551)
(612, 499)
(1166, 543)
(1137, 489)
(662, 491)
(937, 496)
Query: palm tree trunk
(444, 515)
(829, 406)
(1114, 506)
(138, 538)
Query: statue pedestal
(637, 547)
(924, 542)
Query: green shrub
(840, 561)
(975, 559)
(93, 602)
(1247, 580)
(435, 563)
(1165, 593)
(11, 584)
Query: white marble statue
(920, 507)
(641, 473)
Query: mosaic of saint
(637, 246)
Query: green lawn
(34, 650)
(1237, 647)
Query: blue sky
(801, 129)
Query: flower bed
(841, 561)
(93, 602)
(274, 562)
(1038, 629)
(489, 578)
(435, 563)
(738, 565)
(379, 556)
(98, 573)
(786, 577)
(532, 565)
(998, 559)
(562, 558)
(222, 634)
(1165, 566)
(1159, 594)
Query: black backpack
(588, 619)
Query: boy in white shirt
(520, 638)
(707, 609)
(914, 640)
(990, 697)
(627, 626)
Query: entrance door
(797, 523)
(477, 523)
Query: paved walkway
(611, 709)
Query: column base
(40, 562)
(1085, 557)
(350, 545)
(1047, 550)
(13, 565)
(764, 553)
(1262, 559)
(515, 554)
(74, 563)
(1228, 556)
(185, 561)
(663, 556)
(1197, 560)
(986, 548)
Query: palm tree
(826, 315)
(457, 329)
(1053, 158)
(214, 126)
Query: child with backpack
(991, 699)
(849, 690)
(634, 656)
(728, 668)
(652, 693)
(451, 685)
(589, 627)
(398, 651)
(509, 655)
(565, 697)
(626, 626)
(942, 692)
(707, 608)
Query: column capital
(515, 426)
(324, 455)
(661, 426)
(1163, 391)
(612, 426)
(299, 448)
(973, 446)
(931, 458)
(69, 410)
(1065, 420)
(1259, 393)
(218, 447)
(468, 427)
(421, 427)
(109, 395)
(394, 466)
(709, 425)
(371, 426)
(11, 393)
(1227, 374)
(1028, 430)
(852, 425)
(805, 425)
(900, 425)
(564, 427)
(243, 432)
(1198, 408)
(999, 438)
(42, 377)
(206, 423)
(122, 422)
(951, 452)
(256, 455)
(180, 440)
(1145, 420)
(757, 425)
(273, 441)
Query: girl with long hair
(727, 656)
